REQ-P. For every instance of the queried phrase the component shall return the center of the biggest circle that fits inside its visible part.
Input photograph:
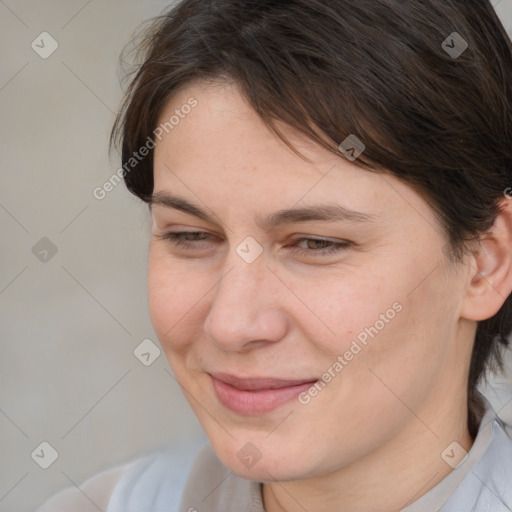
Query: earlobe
(490, 273)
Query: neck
(409, 465)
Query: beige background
(68, 375)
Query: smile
(252, 397)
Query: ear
(490, 272)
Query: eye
(177, 238)
(327, 246)
(196, 239)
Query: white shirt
(188, 478)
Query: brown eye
(320, 246)
(182, 239)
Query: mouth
(256, 395)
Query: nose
(248, 307)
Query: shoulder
(495, 471)
(156, 481)
(488, 486)
(158, 476)
(92, 494)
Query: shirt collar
(452, 490)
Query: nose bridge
(244, 306)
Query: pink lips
(255, 396)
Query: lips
(258, 384)
(256, 395)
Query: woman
(330, 268)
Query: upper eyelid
(297, 238)
(201, 231)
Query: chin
(270, 463)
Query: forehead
(221, 148)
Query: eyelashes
(179, 239)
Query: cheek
(174, 300)
(390, 322)
(350, 308)
(409, 354)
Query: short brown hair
(379, 69)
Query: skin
(402, 399)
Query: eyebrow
(316, 212)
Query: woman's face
(374, 321)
